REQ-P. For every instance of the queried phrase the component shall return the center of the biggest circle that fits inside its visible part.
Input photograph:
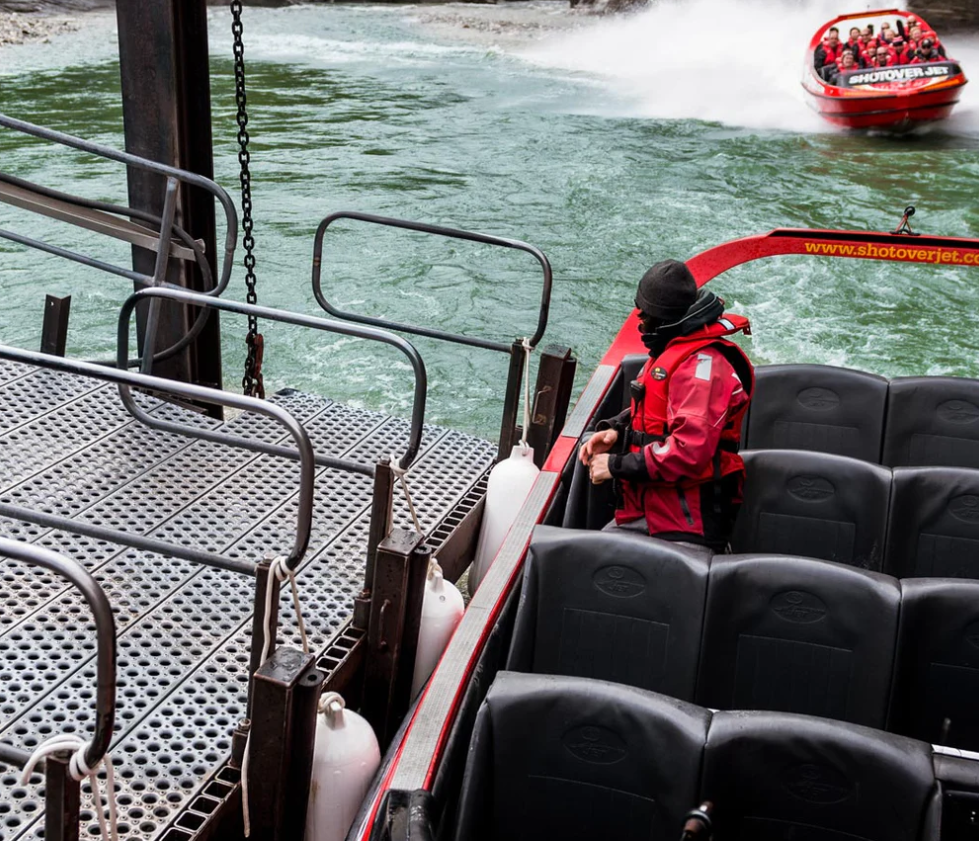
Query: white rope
(527, 350)
(331, 702)
(78, 770)
(402, 475)
(281, 571)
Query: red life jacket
(650, 424)
(831, 55)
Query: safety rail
(452, 233)
(127, 380)
(105, 633)
(518, 350)
(116, 221)
(196, 299)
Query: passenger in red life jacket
(675, 459)
(901, 53)
(827, 52)
(914, 37)
(926, 53)
(847, 62)
(883, 58)
(853, 43)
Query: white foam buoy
(509, 484)
(442, 609)
(345, 758)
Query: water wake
(737, 62)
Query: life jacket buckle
(637, 391)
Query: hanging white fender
(345, 758)
(442, 610)
(509, 484)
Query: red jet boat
(898, 97)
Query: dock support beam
(400, 571)
(62, 799)
(54, 332)
(166, 97)
(285, 690)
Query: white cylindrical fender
(442, 609)
(345, 758)
(509, 484)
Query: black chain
(251, 383)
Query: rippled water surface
(608, 143)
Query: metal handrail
(453, 233)
(196, 299)
(171, 174)
(128, 380)
(105, 633)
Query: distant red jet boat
(917, 83)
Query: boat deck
(68, 447)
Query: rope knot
(78, 769)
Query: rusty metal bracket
(396, 594)
(285, 692)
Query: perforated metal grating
(68, 447)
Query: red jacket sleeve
(705, 390)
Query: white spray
(737, 62)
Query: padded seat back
(937, 681)
(578, 760)
(783, 777)
(815, 505)
(817, 407)
(933, 526)
(611, 605)
(932, 421)
(799, 635)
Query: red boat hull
(890, 104)
(892, 112)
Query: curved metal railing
(369, 333)
(105, 634)
(452, 233)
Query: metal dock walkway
(68, 447)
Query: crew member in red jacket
(676, 456)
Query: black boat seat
(817, 407)
(611, 605)
(933, 526)
(932, 421)
(799, 635)
(776, 777)
(579, 760)
(813, 504)
(936, 684)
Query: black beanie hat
(666, 291)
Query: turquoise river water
(610, 143)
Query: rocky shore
(30, 20)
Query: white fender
(509, 484)
(442, 609)
(345, 758)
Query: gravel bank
(16, 28)
(31, 20)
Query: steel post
(285, 692)
(54, 331)
(552, 394)
(385, 635)
(62, 799)
(511, 401)
(163, 57)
